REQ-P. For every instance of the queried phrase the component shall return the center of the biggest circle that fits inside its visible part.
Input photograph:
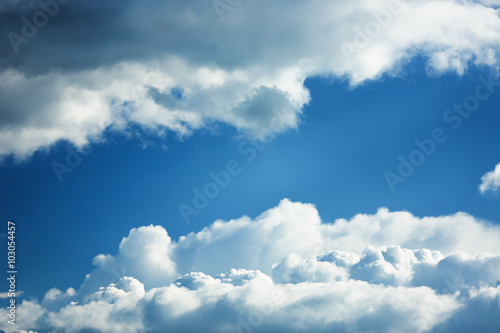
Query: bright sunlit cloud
(288, 269)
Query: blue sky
(336, 159)
(344, 127)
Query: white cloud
(286, 270)
(27, 314)
(6, 294)
(243, 71)
(490, 181)
(480, 313)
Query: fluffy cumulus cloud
(490, 182)
(78, 68)
(287, 271)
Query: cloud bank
(287, 271)
(71, 70)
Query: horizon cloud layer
(288, 270)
